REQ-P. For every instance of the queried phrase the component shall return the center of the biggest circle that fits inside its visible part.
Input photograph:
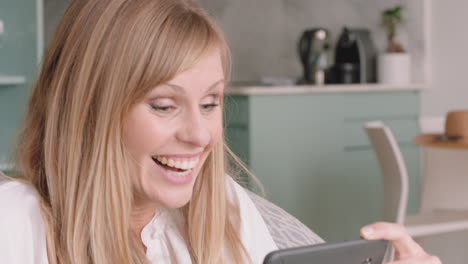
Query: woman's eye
(209, 107)
(165, 109)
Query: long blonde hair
(106, 55)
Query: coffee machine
(355, 57)
(313, 49)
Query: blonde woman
(121, 156)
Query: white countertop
(307, 89)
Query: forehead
(206, 70)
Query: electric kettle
(313, 49)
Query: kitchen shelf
(328, 88)
(12, 80)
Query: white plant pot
(394, 68)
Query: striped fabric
(285, 229)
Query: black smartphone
(358, 251)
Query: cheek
(217, 130)
(133, 138)
(141, 134)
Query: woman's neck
(142, 213)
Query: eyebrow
(181, 89)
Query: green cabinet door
(312, 155)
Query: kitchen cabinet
(19, 52)
(9, 80)
(313, 157)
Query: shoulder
(253, 230)
(286, 230)
(17, 200)
(21, 224)
(239, 196)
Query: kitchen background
(263, 35)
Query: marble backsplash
(263, 34)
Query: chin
(176, 201)
(171, 196)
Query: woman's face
(171, 132)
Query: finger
(420, 260)
(405, 246)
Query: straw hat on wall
(454, 136)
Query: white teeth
(180, 164)
(192, 164)
(170, 163)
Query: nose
(195, 130)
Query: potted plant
(394, 65)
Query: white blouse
(22, 235)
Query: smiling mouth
(167, 167)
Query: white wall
(448, 90)
(448, 48)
